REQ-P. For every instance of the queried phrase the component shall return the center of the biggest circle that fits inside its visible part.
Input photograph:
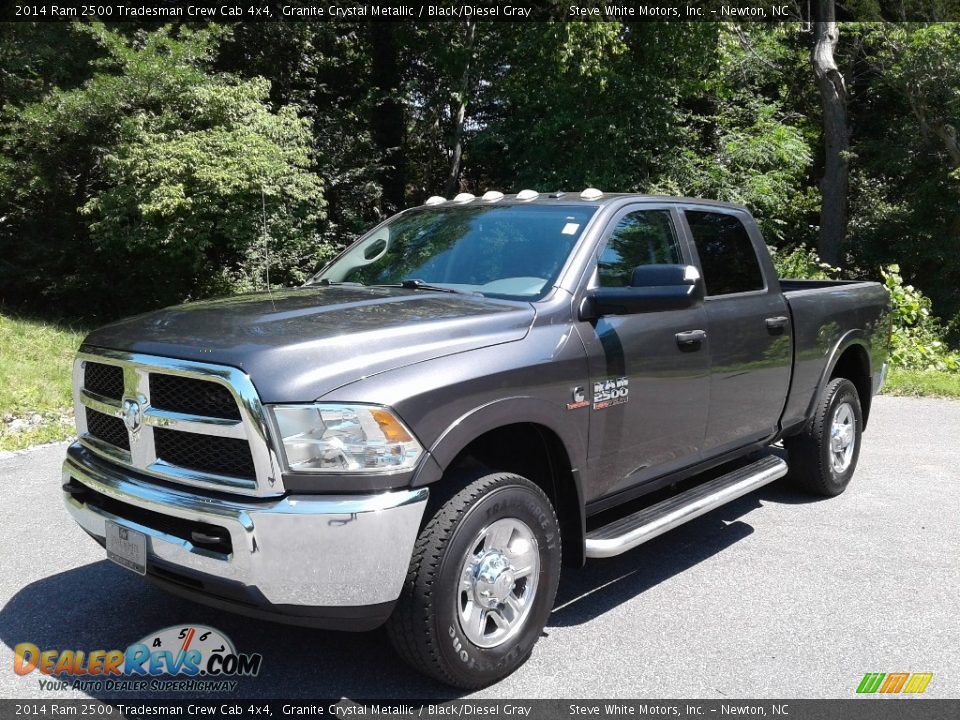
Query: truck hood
(299, 344)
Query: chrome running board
(628, 532)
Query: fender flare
(509, 411)
(846, 341)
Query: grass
(922, 383)
(35, 368)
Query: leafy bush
(802, 262)
(918, 340)
(918, 336)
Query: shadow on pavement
(102, 606)
(604, 584)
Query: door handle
(776, 323)
(690, 337)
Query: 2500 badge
(609, 392)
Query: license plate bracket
(127, 547)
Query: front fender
(497, 413)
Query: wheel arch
(851, 360)
(523, 436)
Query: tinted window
(727, 257)
(644, 237)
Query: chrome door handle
(776, 323)
(691, 337)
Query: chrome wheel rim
(843, 437)
(498, 582)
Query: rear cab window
(728, 259)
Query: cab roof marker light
(435, 200)
(464, 198)
(591, 194)
(492, 196)
(528, 195)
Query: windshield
(510, 251)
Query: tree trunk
(836, 135)
(460, 115)
(947, 134)
(387, 123)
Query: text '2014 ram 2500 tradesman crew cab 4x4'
(473, 394)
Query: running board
(628, 532)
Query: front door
(648, 391)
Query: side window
(727, 256)
(644, 237)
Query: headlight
(327, 437)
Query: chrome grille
(109, 429)
(106, 380)
(205, 453)
(187, 422)
(194, 397)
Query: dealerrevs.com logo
(175, 659)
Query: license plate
(127, 547)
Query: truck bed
(823, 313)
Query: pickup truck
(476, 393)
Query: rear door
(751, 348)
(648, 393)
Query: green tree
(149, 183)
(905, 188)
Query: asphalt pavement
(777, 595)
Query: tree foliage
(156, 180)
(139, 162)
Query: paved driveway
(775, 595)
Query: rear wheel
(824, 456)
(481, 582)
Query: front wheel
(481, 583)
(824, 456)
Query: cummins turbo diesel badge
(609, 392)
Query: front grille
(196, 423)
(193, 397)
(106, 380)
(108, 429)
(205, 453)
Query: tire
(817, 463)
(474, 550)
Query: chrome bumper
(308, 550)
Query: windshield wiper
(324, 283)
(414, 284)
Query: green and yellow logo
(892, 683)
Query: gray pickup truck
(475, 393)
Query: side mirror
(652, 288)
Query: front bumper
(326, 561)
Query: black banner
(453, 10)
(853, 709)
